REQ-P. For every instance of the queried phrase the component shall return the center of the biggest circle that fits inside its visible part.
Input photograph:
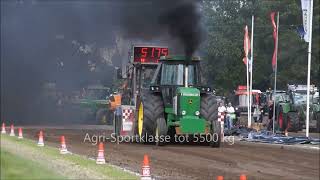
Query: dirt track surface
(176, 161)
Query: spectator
(256, 114)
(270, 124)
(230, 116)
(221, 108)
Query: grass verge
(81, 162)
(15, 167)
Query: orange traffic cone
(63, 149)
(100, 158)
(243, 177)
(20, 134)
(146, 175)
(12, 130)
(40, 142)
(3, 129)
(219, 177)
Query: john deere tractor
(176, 103)
(94, 103)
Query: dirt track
(177, 161)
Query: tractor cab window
(173, 75)
(301, 97)
(146, 76)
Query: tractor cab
(171, 74)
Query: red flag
(275, 39)
(246, 45)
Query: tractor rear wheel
(149, 108)
(209, 111)
(294, 124)
(102, 116)
(161, 131)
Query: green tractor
(177, 104)
(292, 111)
(94, 103)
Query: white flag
(305, 6)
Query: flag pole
(248, 105)
(247, 66)
(309, 68)
(275, 77)
(251, 71)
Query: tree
(223, 49)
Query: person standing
(221, 108)
(230, 116)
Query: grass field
(15, 167)
(23, 159)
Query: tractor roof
(98, 87)
(178, 58)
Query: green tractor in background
(94, 102)
(177, 104)
(291, 113)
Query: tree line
(223, 48)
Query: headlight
(155, 88)
(183, 112)
(197, 113)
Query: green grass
(107, 170)
(15, 167)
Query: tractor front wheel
(318, 121)
(216, 134)
(161, 131)
(209, 111)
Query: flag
(246, 45)
(300, 31)
(305, 6)
(275, 40)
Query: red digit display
(149, 54)
(144, 52)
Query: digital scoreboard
(149, 54)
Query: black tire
(293, 120)
(209, 111)
(102, 116)
(318, 121)
(209, 108)
(153, 108)
(161, 131)
(216, 134)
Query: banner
(246, 45)
(305, 6)
(274, 58)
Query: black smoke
(37, 35)
(165, 19)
